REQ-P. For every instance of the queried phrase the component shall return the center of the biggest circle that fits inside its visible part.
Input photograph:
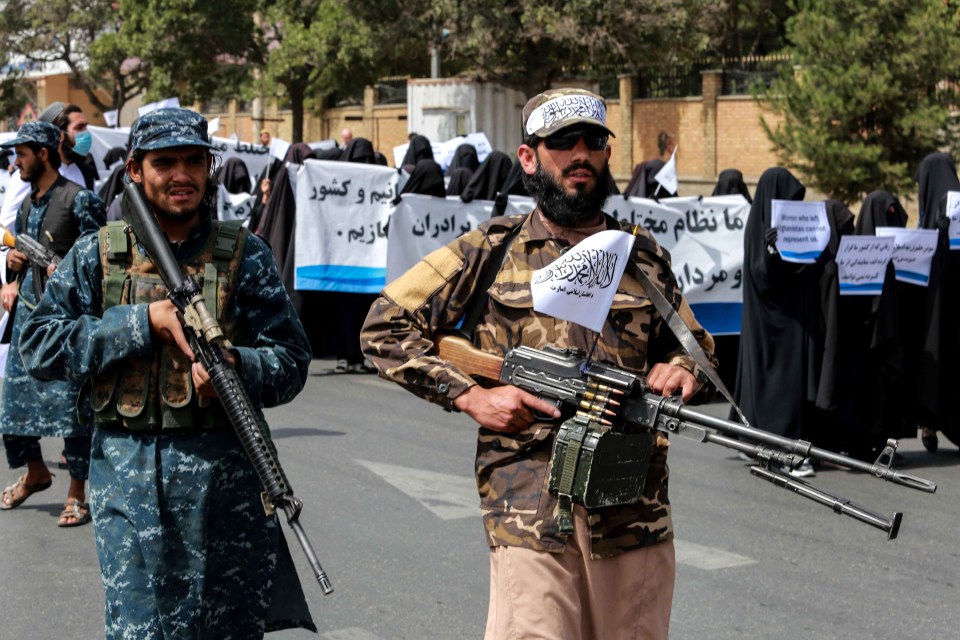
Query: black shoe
(929, 439)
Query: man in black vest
(56, 213)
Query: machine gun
(207, 341)
(614, 400)
(38, 254)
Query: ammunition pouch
(597, 466)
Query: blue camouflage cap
(165, 128)
(42, 133)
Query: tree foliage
(192, 49)
(528, 44)
(867, 99)
(311, 49)
(84, 36)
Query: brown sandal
(79, 511)
(11, 499)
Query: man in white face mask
(75, 142)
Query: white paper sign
(862, 264)
(168, 103)
(802, 229)
(399, 152)
(953, 214)
(449, 148)
(579, 285)
(343, 209)
(111, 118)
(913, 251)
(279, 148)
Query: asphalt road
(392, 513)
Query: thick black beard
(561, 208)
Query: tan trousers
(568, 596)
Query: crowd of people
(846, 372)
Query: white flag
(667, 176)
(579, 285)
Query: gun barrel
(799, 447)
(152, 238)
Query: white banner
(255, 156)
(913, 251)
(421, 224)
(343, 210)
(704, 237)
(233, 206)
(579, 285)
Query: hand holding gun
(36, 253)
(619, 399)
(207, 343)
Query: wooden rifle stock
(468, 358)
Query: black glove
(770, 237)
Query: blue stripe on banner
(719, 318)
(913, 276)
(329, 277)
(955, 243)
(873, 287)
(801, 255)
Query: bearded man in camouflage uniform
(613, 577)
(185, 548)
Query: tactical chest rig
(156, 393)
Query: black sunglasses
(568, 140)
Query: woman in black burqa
(866, 386)
(939, 373)
(780, 340)
(462, 167)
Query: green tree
(84, 35)
(528, 44)
(12, 95)
(867, 99)
(311, 49)
(192, 49)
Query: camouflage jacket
(512, 469)
(70, 336)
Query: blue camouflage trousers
(23, 449)
(185, 549)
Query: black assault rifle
(614, 397)
(207, 341)
(38, 254)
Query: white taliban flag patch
(579, 285)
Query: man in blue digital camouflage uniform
(185, 548)
(56, 213)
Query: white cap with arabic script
(553, 110)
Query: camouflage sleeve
(664, 346)
(398, 333)
(89, 211)
(275, 356)
(65, 338)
